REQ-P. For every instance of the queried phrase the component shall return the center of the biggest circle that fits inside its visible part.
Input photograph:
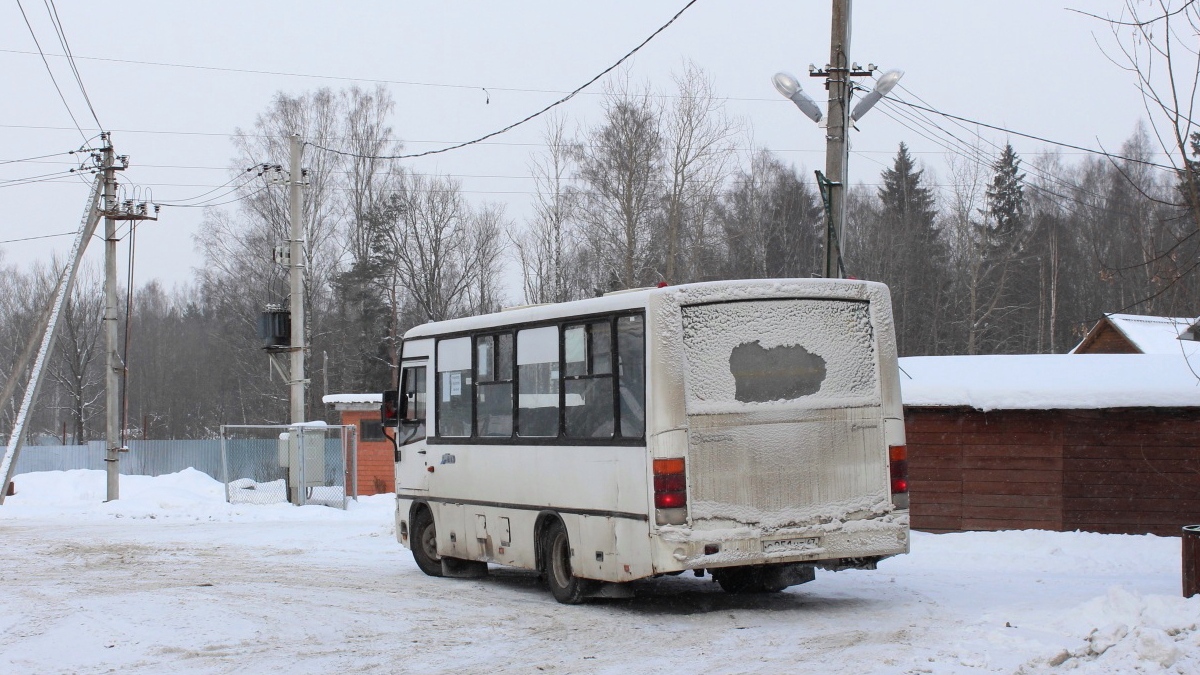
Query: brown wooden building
(1059, 442)
(376, 463)
(1137, 334)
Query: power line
(57, 176)
(51, 72)
(204, 206)
(261, 169)
(514, 125)
(43, 236)
(1032, 136)
(371, 80)
(33, 160)
(52, 10)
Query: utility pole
(837, 149)
(837, 74)
(296, 277)
(66, 282)
(112, 366)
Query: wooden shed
(1137, 334)
(376, 455)
(1101, 443)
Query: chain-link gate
(281, 463)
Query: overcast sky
(1029, 65)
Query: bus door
(412, 462)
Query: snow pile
(188, 494)
(1050, 381)
(1127, 632)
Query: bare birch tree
(620, 168)
(545, 247)
(697, 135)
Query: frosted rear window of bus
(818, 352)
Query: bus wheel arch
(423, 538)
(554, 561)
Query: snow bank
(1050, 381)
(1127, 632)
(186, 495)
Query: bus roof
(714, 291)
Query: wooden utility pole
(837, 149)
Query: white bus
(750, 429)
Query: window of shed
(371, 430)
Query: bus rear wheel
(556, 550)
(424, 543)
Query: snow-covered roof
(333, 399)
(1051, 381)
(1151, 334)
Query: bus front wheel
(424, 543)
(556, 549)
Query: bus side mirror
(389, 411)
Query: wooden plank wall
(1138, 472)
(1129, 470)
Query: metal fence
(144, 458)
(301, 464)
(252, 461)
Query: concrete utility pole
(66, 282)
(112, 364)
(296, 277)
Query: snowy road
(171, 579)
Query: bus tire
(424, 542)
(556, 547)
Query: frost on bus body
(751, 429)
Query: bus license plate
(801, 544)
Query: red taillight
(670, 484)
(898, 454)
(676, 482)
(670, 500)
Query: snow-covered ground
(172, 579)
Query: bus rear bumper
(853, 544)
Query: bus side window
(454, 388)
(493, 374)
(631, 376)
(414, 394)
(588, 380)
(537, 382)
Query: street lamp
(885, 84)
(789, 86)
(840, 121)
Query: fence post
(1191, 560)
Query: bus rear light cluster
(670, 491)
(898, 456)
